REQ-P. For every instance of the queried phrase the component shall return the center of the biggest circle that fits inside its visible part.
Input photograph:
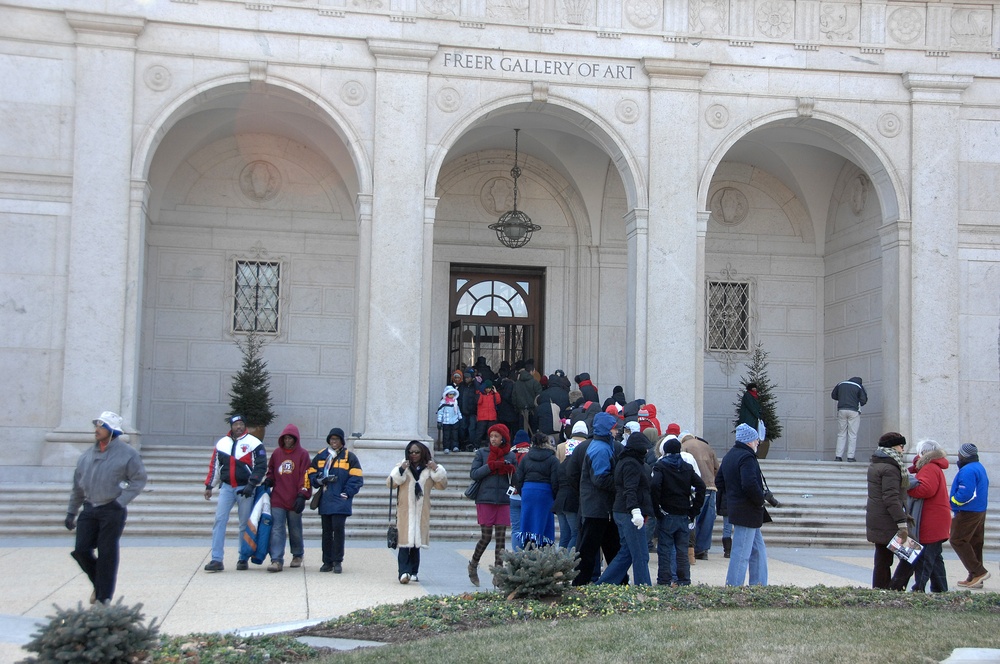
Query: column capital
(636, 222)
(936, 88)
(399, 55)
(105, 30)
(677, 74)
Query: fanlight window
(501, 298)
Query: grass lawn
(814, 635)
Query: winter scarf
(496, 462)
(897, 456)
(415, 471)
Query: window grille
(255, 307)
(728, 315)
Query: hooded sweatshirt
(287, 468)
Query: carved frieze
(507, 9)
(905, 25)
(642, 13)
(710, 17)
(440, 7)
(839, 22)
(775, 18)
(971, 28)
(575, 12)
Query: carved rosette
(906, 25)
(642, 13)
(729, 206)
(889, 125)
(717, 116)
(157, 77)
(260, 181)
(627, 111)
(448, 100)
(353, 93)
(774, 18)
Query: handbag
(473, 489)
(392, 533)
(317, 497)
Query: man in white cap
(108, 477)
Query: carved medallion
(774, 18)
(906, 25)
(157, 77)
(642, 13)
(627, 111)
(497, 195)
(260, 181)
(858, 194)
(729, 206)
(448, 99)
(717, 116)
(353, 93)
(889, 125)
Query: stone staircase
(823, 504)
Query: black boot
(727, 546)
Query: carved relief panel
(839, 22)
(710, 17)
(512, 10)
(971, 28)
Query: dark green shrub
(536, 572)
(106, 633)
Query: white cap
(632, 427)
(580, 428)
(110, 421)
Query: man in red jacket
(286, 475)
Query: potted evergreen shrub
(250, 395)
(757, 373)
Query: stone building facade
(819, 177)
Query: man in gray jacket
(850, 396)
(109, 475)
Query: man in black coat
(741, 485)
(671, 487)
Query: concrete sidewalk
(167, 577)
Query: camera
(511, 490)
(771, 500)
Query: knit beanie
(671, 446)
(745, 434)
(580, 428)
(521, 437)
(673, 429)
(891, 439)
(968, 450)
(500, 429)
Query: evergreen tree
(251, 392)
(757, 373)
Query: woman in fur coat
(415, 476)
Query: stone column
(95, 343)
(393, 321)
(671, 350)
(636, 310)
(934, 260)
(896, 332)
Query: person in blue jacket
(338, 473)
(969, 495)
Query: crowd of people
(604, 470)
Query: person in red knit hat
(493, 467)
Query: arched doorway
(497, 315)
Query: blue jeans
(515, 524)
(704, 524)
(634, 553)
(748, 552)
(280, 518)
(228, 498)
(569, 524)
(672, 550)
(727, 528)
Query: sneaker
(296, 561)
(474, 573)
(978, 579)
(838, 458)
(977, 586)
(275, 566)
(337, 569)
(414, 579)
(327, 567)
(454, 449)
(404, 578)
(851, 459)
(447, 451)
(241, 565)
(701, 556)
(214, 566)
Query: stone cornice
(676, 74)
(105, 30)
(936, 88)
(402, 55)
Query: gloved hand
(70, 522)
(496, 465)
(903, 534)
(637, 519)
(300, 503)
(269, 482)
(509, 469)
(247, 490)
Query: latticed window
(255, 308)
(729, 315)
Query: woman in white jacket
(415, 476)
